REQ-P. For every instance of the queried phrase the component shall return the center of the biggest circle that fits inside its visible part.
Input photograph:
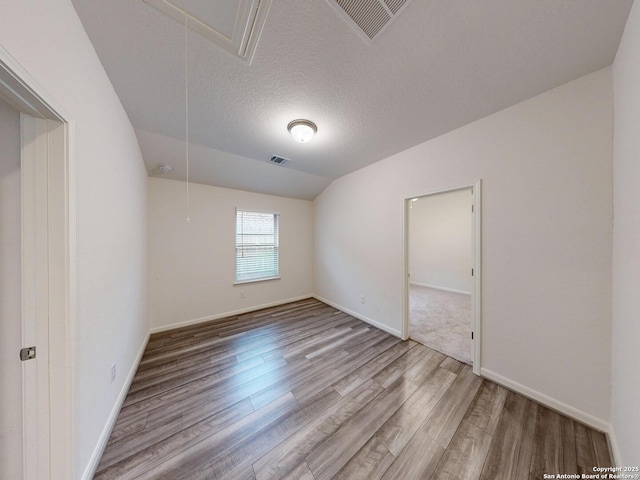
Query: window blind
(256, 245)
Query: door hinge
(28, 353)
(471, 335)
(472, 272)
(472, 209)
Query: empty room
(329, 239)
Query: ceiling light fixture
(302, 130)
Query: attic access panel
(233, 25)
(369, 18)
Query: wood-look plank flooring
(304, 391)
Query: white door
(10, 296)
(24, 299)
(35, 150)
(36, 279)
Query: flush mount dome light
(302, 130)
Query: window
(256, 246)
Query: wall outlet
(113, 372)
(241, 293)
(362, 298)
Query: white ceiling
(440, 65)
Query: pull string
(186, 108)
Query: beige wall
(625, 410)
(546, 239)
(192, 266)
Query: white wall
(546, 238)
(192, 266)
(440, 241)
(48, 40)
(10, 296)
(625, 409)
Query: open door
(10, 294)
(442, 272)
(46, 279)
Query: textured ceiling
(440, 65)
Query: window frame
(275, 246)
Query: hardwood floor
(304, 391)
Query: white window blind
(256, 246)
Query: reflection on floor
(441, 320)
(305, 391)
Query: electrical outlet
(362, 298)
(113, 372)
(241, 293)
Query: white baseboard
(379, 325)
(218, 316)
(547, 401)
(613, 446)
(438, 287)
(94, 460)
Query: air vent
(369, 17)
(279, 160)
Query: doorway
(442, 274)
(39, 294)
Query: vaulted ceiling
(441, 64)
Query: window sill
(256, 280)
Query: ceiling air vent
(369, 17)
(279, 160)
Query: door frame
(48, 270)
(476, 265)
